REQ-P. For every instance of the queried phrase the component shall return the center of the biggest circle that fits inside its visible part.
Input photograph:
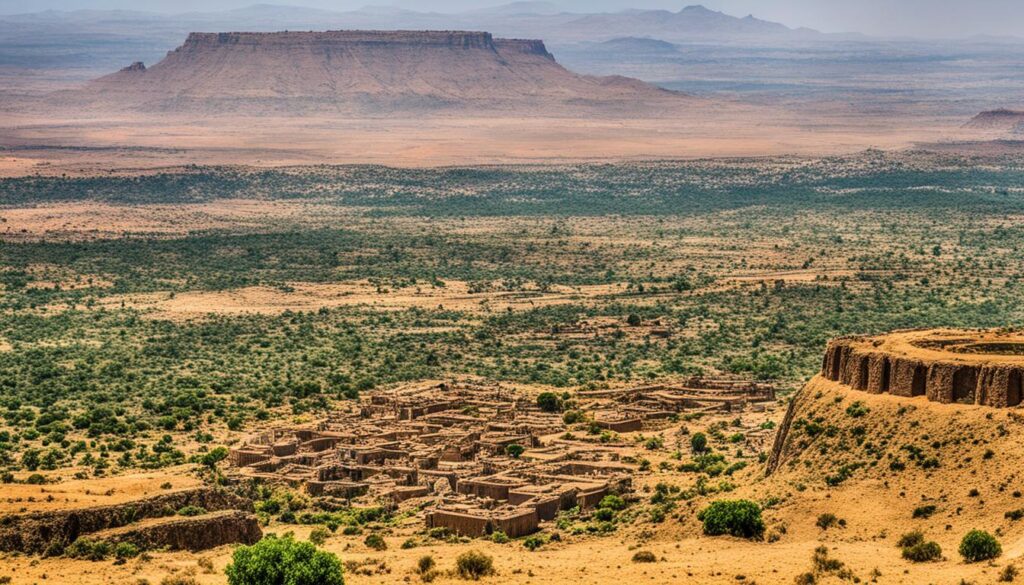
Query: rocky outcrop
(192, 533)
(782, 435)
(38, 532)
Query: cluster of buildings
(451, 444)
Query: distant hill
(361, 71)
(639, 45)
(1002, 120)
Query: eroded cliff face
(368, 71)
(984, 368)
(49, 531)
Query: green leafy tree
(549, 402)
(214, 457)
(283, 561)
(699, 442)
(514, 451)
(740, 518)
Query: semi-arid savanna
(539, 293)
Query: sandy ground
(53, 145)
(454, 295)
(71, 493)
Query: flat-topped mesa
(943, 365)
(341, 38)
(364, 72)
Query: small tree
(735, 517)
(514, 451)
(549, 402)
(979, 545)
(214, 457)
(280, 561)
(699, 442)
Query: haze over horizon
(918, 18)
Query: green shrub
(126, 550)
(549, 402)
(90, 550)
(925, 511)
(473, 565)
(857, 409)
(612, 502)
(191, 511)
(499, 537)
(514, 451)
(826, 521)
(740, 518)
(978, 545)
(319, 535)
(277, 561)
(910, 539)
(699, 442)
(425, 564)
(376, 542)
(923, 551)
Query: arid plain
(443, 309)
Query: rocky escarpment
(187, 533)
(358, 71)
(40, 532)
(945, 366)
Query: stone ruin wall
(849, 362)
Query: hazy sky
(932, 18)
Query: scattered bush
(126, 550)
(699, 443)
(1008, 574)
(318, 535)
(923, 551)
(910, 539)
(191, 511)
(425, 564)
(612, 502)
(275, 561)
(740, 518)
(549, 402)
(376, 542)
(644, 556)
(474, 565)
(978, 545)
(827, 520)
(90, 550)
(925, 511)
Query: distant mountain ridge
(529, 18)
